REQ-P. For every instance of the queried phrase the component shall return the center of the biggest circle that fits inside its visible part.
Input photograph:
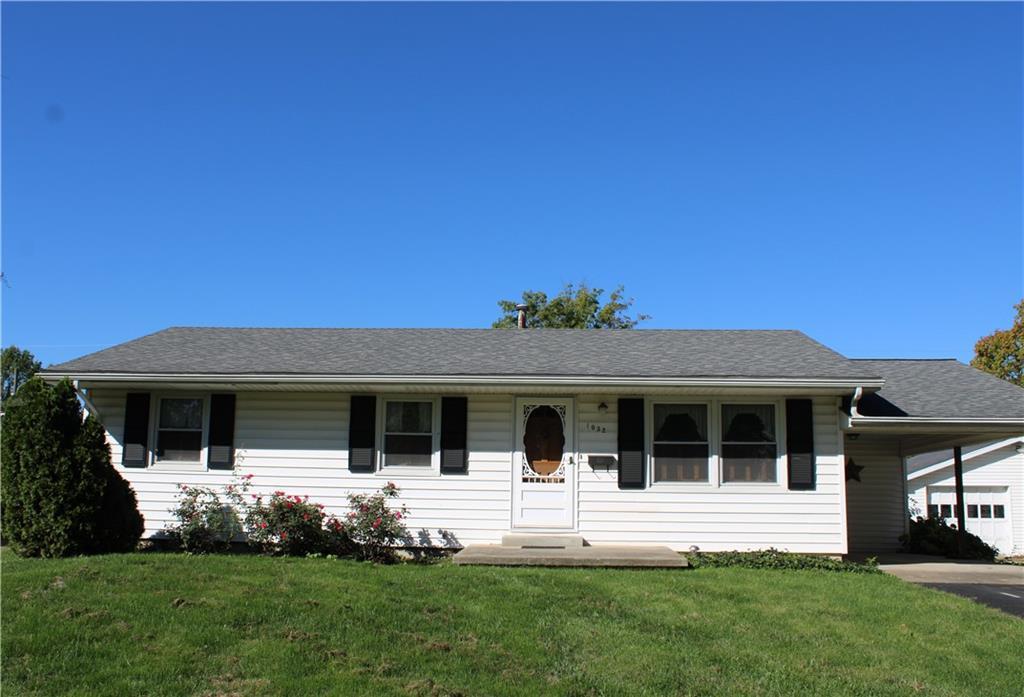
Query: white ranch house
(719, 440)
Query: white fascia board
(930, 469)
(456, 380)
(923, 424)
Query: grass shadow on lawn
(171, 624)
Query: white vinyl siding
(877, 504)
(712, 518)
(298, 443)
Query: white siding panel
(726, 517)
(298, 443)
(876, 505)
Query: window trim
(713, 478)
(781, 471)
(434, 470)
(154, 419)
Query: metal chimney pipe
(522, 315)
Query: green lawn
(169, 624)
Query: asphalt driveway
(998, 585)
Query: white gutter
(926, 424)
(935, 420)
(607, 381)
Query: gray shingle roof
(440, 352)
(940, 389)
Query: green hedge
(775, 559)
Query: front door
(544, 464)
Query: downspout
(857, 394)
(854, 401)
(83, 394)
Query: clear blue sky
(850, 170)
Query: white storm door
(543, 464)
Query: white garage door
(988, 512)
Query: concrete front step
(541, 540)
(618, 556)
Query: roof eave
(510, 380)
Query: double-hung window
(179, 430)
(408, 433)
(750, 447)
(680, 452)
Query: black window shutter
(454, 458)
(222, 432)
(800, 443)
(362, 433)
(136, 430)
(631, 444)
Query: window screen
(408, 434)
(680, 445)
(179, 436)
(749, 446)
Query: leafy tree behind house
(1002, 352)
(575, 307)
(18, 365)
(61, 495)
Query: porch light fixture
(603, 408)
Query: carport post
(961, 512)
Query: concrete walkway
(591, 555)
(998, 585)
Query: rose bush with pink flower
(288, 524)
(374, 525)
(293, 525)
(206, 522)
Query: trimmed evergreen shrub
(61, 495)
(933, 536)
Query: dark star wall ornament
(853, 469)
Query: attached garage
(993, 491)
(899, 445)
(988, 512)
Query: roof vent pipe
(522, 315)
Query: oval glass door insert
(543, 444)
